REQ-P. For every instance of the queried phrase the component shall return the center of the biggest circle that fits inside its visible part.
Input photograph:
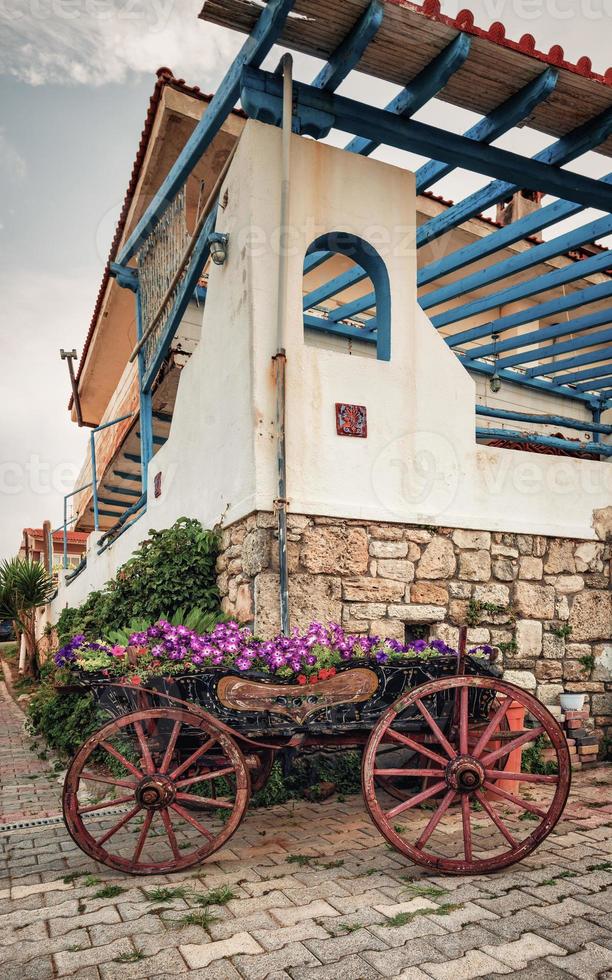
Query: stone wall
(545, 602)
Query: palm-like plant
(24, 586)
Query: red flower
(314, 679)
(332, 672)
(302, 679)
(136, 680)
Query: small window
(347, 293)
(416, 631)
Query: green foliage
(532, 761)
(63, 720)
(171, 571)
(587, 663)
(563, 632)
(109, 891)
(24, 586)
(194, 619)
(477, 609)
(342, 768)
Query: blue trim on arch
(374, 266)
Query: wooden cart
(167, 781)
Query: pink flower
(118, 651)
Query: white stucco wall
(420, 462)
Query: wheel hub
(465, 774)
(155, 792)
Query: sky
(75, 81)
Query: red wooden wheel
(131, 803)
(260, 772)
(468, 815)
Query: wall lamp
(218, 243)
(495, 381)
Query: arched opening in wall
(347, 296)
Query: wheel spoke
(523, 804)
(463, 720)
(497, 820)
(520, 777)
(106, 804)
(441, 737)
(144, 748)
(416, 746)
(170, 747)
(410, 772)
(492, 727)
(176, 854)
(435, 820)
(467, 826)
(529, 736)
(107, 780)
(143, 836)
(193, 758)
(205, 801)
(121, 758)
(110, 833)
(205, 776)
(194, 823)
(415, 800)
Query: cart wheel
(260, 773)
(473, 817)
(126, 797)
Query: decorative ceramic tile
(352, 420)
(157, 485)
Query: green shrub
(341, 768)
(172, 570)
(63, 720)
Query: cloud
(12, 164)
(96, 42)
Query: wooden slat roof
(412, 35)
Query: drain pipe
(280, 358)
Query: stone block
(498, 595)
(387, 629)
(566, 584)
(602, 523)
(475, 566)
(364, 610)
(504, 551)
(529, 638)
(335, 550)
(601, 704)
(549, 693)
(472, 539)
(460, 590)
(522, 678)
(603, 662)
(504, 569)
(429, 592)
(525, 544)
(399, 569)
(311, 597)
(548, 670)
(389, 549)
(417, 613)
(560, 557)
(588, 556)
(553, 647)
(367, 589)
(438, 560)
(534, 601)
(446, 632)
(531, 568)
(591, 616)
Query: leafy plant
(134, 957)
(587, 663)
(476, 609)
(164, 894)
(173, 570)
(109, 891)
(563, 632)
(63, 720)
(533, 762)
(24, 586)
(217, 896)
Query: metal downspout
(280, 358)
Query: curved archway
(347, 292)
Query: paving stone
(168, 961)
(564, 913)
(473, 964)
(68, 962)
(520, 953)
(198, 956)
(514, 926)
(392, 961)
(349, 968)
(275, 937)
(290, 915)
(455, 944)
(258, 967)
(586, 964)
(330, 950)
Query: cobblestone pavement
(332, 915)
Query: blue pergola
(432, 56)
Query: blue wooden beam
(568, 148)
(350, 52)
(562, 304)
(413, 97)
(421, 89)
(593, 449)
(595, 385)
(564, 329)
(523, 290)
(264, 34)
(499, 121)
(493, 243)
(540, 353)
(182, 296)
(599, 371)
(339, 329)
(114, 503)
(131, 457)
(590, 357)
(262, 97)
(565, 421)
(128, 493)
(536, 384)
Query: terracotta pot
(516, 722)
